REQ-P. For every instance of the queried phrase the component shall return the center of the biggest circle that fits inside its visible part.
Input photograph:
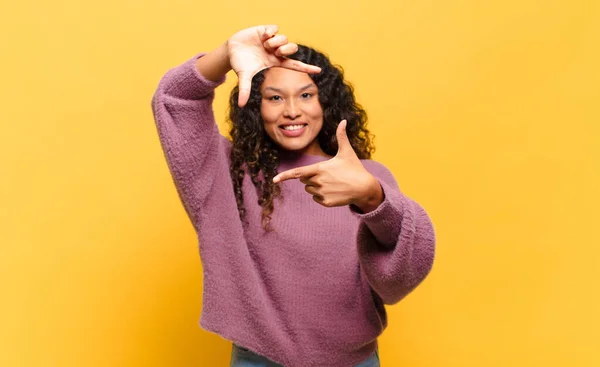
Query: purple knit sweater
(311, 292)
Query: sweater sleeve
(192, 144)
(396, 242)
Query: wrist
(215, 64)
(371, 198)
(225, 47)
(223, 51)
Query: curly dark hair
(254, 151)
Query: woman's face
(291, 111)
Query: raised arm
(191, 142)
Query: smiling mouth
(293, 127)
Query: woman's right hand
(254, 49)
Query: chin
(294, 147)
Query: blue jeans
(242, 357)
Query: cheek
(316, 114)
(269, 114)
(314, 110)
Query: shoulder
(380, 171)
(226, 144)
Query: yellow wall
(486, 112)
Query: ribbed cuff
(385, 222)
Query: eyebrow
(299, 90)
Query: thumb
(245, 85)
(344, 146)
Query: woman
(303, 238)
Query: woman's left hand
(341, 180)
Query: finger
(286, 50)
(344, 146)
(321, 200)
(312, 190)
(312, 181)
(273, 43)
(245, 85)
(300, 66)
(295, 173)
(268, 31)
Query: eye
(274, 98)
(306, 95)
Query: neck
(298, 158)
(313, 149)
(295, 154)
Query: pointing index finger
(295, 173)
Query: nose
(291, 110)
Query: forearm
(215, 64)
(372, 198)
(397, 250)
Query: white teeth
(293, 127)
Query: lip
(293, 133)
(293, 123)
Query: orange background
(487, 113)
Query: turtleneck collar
(290, 159)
